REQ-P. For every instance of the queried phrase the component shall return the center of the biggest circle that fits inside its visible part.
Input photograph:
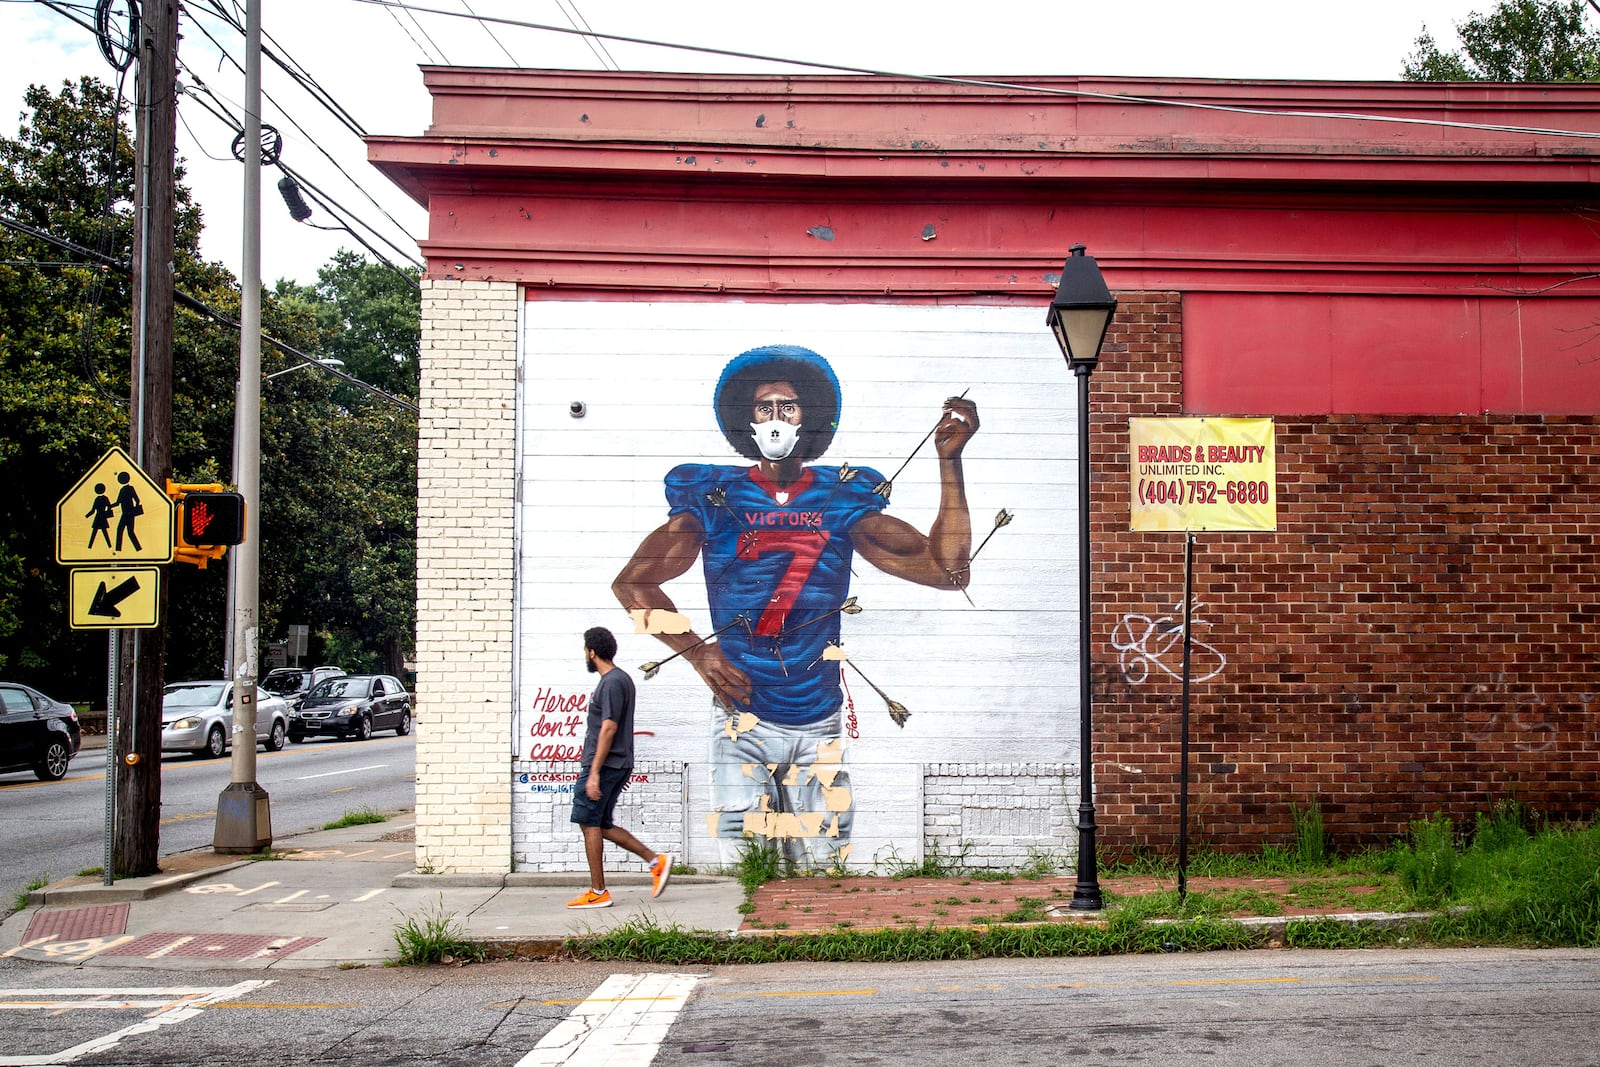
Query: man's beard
(587, 662)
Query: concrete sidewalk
(335, 897)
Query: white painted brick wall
(545, 839)
(1000, 816)
(466, 447)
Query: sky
(366, 58)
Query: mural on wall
(843, 643)
(776, 541)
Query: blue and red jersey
(781, 558)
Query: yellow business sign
(115, 514)
(107, 598)
(1202, 474)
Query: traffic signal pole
(244, 811)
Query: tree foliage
(338, 507)
(1519, 41)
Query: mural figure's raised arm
(942, 558)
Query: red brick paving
(76, 924)
(820, 903)
(210, 946)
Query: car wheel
(216, 744)
(276, 737)
(363, 729)
(405, 724)
(52, 765)
(297, 738)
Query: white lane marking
(335, 774)
(186, 1004)
(622, 1024)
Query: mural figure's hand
(729, 685)
(956, 428)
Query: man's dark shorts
(586, 812)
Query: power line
(208, 99)
(1009, 87)
(574, 16)
(490, 32)
(202, 308)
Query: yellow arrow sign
(105, 598)
(115, 514)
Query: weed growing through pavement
(358, 817)
(38, 882)
(435, 937)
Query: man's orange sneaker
(591, 899)
(660, 874)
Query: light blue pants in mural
(782, 784)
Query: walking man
(606, 765)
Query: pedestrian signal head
(206, 520)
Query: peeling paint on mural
(777, 541)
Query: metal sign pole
(1183, 786)
(112, 657)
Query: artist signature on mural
(1142, 642)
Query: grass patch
(435, 937)
(39, 881)
(670, 945)
(358, 817)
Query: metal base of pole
(244, 820)
(1086, 894)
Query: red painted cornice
(601, 180)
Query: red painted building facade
(1401, 275)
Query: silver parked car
(197, 717)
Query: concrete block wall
(1000, 816)
(466, 451)
(653, 808)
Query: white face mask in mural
(775, 439)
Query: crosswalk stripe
(622, 1024)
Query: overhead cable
(202, 308)
(1009, 87)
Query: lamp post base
(1086, 894)
(244, 820)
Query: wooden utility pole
(144, 652)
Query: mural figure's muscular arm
(669, 551)
(942, 558)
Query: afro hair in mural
(814, 382)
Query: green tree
(1519, 41)
(338, 506)
(341, 474)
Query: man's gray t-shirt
(612, 699)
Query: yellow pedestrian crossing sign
(106, 598)
(115, 514)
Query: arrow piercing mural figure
(776, 541)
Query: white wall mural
(837, 546)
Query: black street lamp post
(1079, 316)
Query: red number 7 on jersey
(807, 546)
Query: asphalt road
(1305, 1009)
(56, 829)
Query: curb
(417, 880)
(128, 890)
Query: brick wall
(465, 557)
(653, 808)
(1000, 816)
(1419, 635)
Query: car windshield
(336, 687)
(192, 696)
(283, 683)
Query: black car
(36, 733)
(353, 705)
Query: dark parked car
(36, 733)
(353, 705)
(293, 683)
